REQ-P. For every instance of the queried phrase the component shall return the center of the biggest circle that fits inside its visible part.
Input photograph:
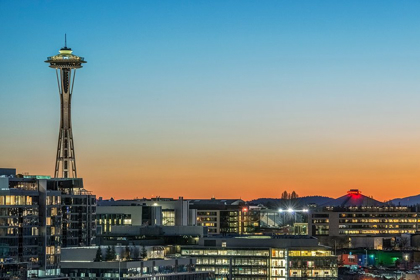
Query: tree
(113, 253)
(108, 254)
(397, 262)
(136, 253)
(127, 253)
(288, 196)
(98, 256)
(294, 195)
(143, 252)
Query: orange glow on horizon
(324, 170)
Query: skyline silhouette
(226, 99)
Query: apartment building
(39, 216)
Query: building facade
(355, 220)
(38, 218)
(364, 221)
(226, 216)
(145, 212)
(264, 258)
(80, 263)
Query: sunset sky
(218, 98)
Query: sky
(225, 99)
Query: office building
(263, 257)
(226, 216)
(80, 263)
(144, 212)
(359, 219)
(152, 235)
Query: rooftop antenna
(65, 40)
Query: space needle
(65, 64)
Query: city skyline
(225, 99)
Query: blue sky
(218, 86)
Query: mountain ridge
(319, 200)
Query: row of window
(235, 261)
(393, 231)
(378, 220)
(15, 200)
(385, 226)
(225, 252)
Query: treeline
(286, 195)
(129, 253)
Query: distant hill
(406, 201)
(301, 201)
(324, 200)
(354, 198)
(316, 199)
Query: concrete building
(152, 235)
(78, 263)
(263, 257)
(226, 216)
(143, 212)
(110, 216)
(39, 216)
(358, 220)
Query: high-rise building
(39, 215)
(65, 64)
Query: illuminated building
(143, 212)
(78, 263)
(110, 216)
(39, 216)
(157, 235)
(263, 257)
(65, 64)
(162, 220)
(355, 215)
(79, 213)
(226, 216)
(14, 271)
